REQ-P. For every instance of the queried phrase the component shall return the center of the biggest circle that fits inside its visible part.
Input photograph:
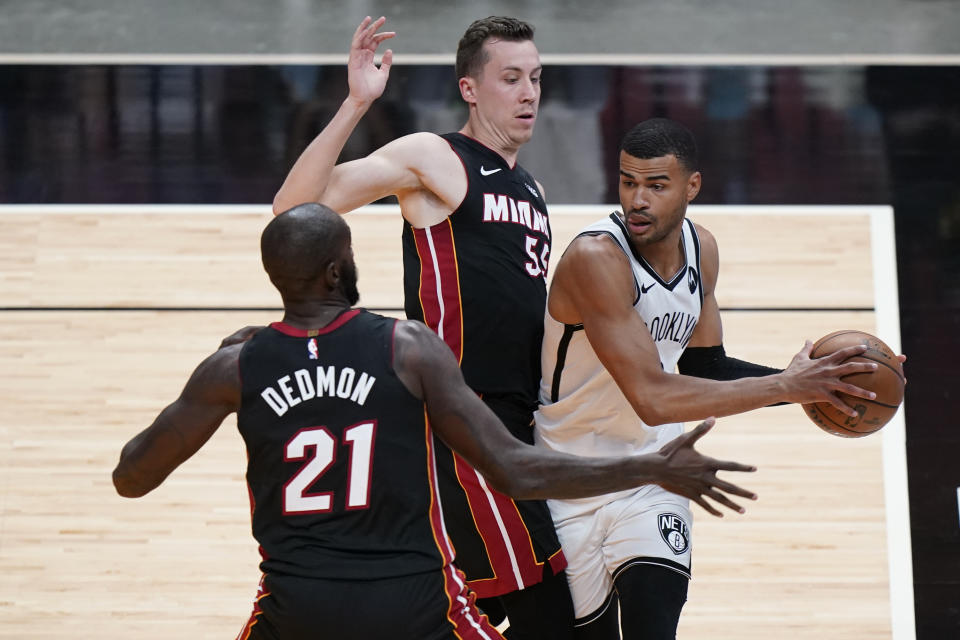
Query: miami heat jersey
(478, 279)
(340, 457)
(583, 410)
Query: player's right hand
(820, 379)
(689, 473)
(366, 80)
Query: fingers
(853, 390)
(733, 489)
(725, 501)
(366, 36)
(698, 432)
(360, 29)
(840, 405)
(386, 61)
(847, 352)
(807, 348)
(707, 506)
(729, 465)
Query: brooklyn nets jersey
(478, 279)
(582, 409)
(340, 466)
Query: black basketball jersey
(478, 279)
(340, 462)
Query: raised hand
(687, 472)
(366, 80)
(819, 379)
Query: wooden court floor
(105, 314)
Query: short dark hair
(660, 137)
(470, 54)
(297, 245)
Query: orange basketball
(887, 382)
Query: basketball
(887, 382)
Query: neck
(666, 256)
(492, 140)
(313, 314)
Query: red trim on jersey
(498, 548)
(558, 561)
(468, 622)
(436, 515)
(338, 322)
(440, 284)
(257, 611)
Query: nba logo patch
(693, 279)
(674, 532)
(312, 350)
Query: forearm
(137, 474)
(535, 473)
(671, 397)
(714, 363)
(310, 175)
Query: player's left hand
(689, 473)
(241, 335)
(366, 80)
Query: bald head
(299, 246)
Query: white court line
(887, 314)
(583, 59)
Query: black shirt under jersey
(339, 454)
(490, 257)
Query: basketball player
(632, 297)
(476, 247)
(336, 407)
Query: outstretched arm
(428, 369)
(593, 285)
(210, 395)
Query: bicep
(417, 162)
(598, 281)
(360, 182)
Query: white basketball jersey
(582, 409)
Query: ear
(693, 185)
(468, 89)
(331, 275)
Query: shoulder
(709, 252)
(595, 245)
(217, 377)
(709, 257)
(413, 335)
(414, 144)
(592, 256)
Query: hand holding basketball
(812, 379)
(886, 381)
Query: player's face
(654, 194)
(507, 91)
